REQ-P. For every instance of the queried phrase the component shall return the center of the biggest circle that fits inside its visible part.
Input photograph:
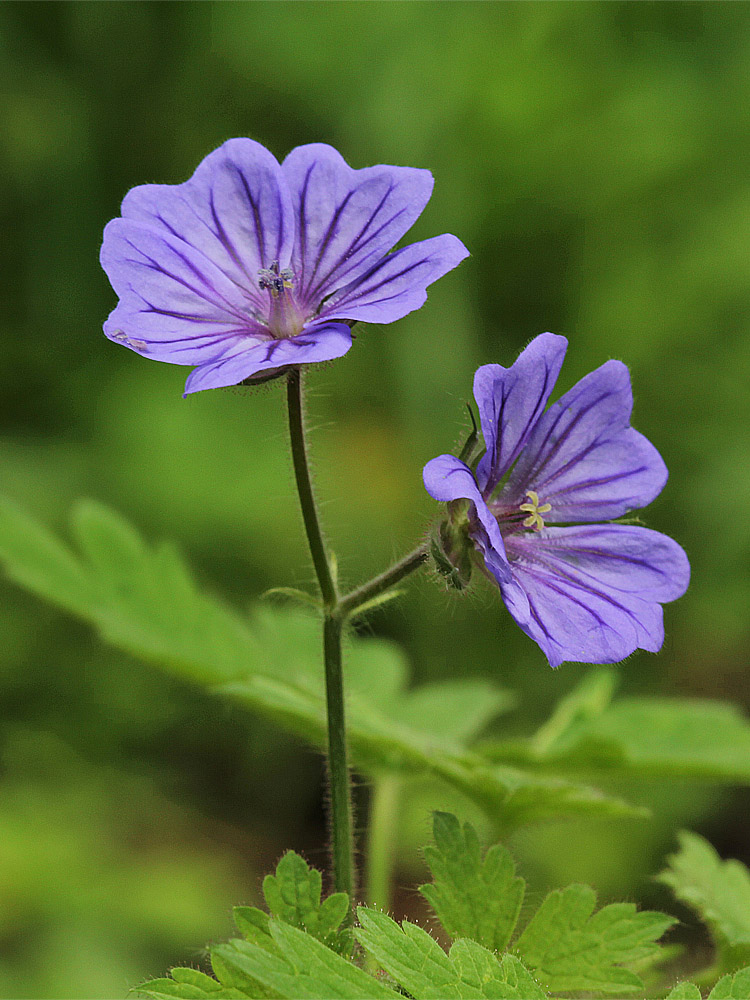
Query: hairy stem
(342, 844)
(349, 604)
(342, 840)
(335, 612)
(304, 488)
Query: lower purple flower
(253, 266)
(584, 591)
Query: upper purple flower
(251, 265)
(584, 591)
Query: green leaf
(144, 600)
(684, 991)
(569, 947)
(418, 963)
(293, 895)
(718, 891)
(473, 896)
(732, 987)
(299, 967)
(187, 988)
(645, 737)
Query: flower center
(284, 317)
(535, 509)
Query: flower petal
(595, 592)
(511, 400)
(583, 457)
(321, 342)
(397, 284)
(447, 478)
(236, 210)
(172, 297)
(346, 219)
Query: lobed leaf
(144, 600)
(718, 891)
(420, 966)
(569, 947)
(473, 896)
(646, 737)
(732, 987)
(300, 966)
(684, 991)
(293, 896)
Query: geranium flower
(584, 591)
(252, 266)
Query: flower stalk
(335, 613)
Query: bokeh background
(594, 159)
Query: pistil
(284, 317)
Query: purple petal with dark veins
(595, 592)
(397, 285)
(173, 300)
(511, 400)
(448, 478)
(318, 342)
(584, 459)
(235, 209)
(346, 219)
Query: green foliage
(732, 987)
(293, 895)
(474, 897)
(144, 600)
(293, 965)
(566, 946)
(636, 737)
(417, 963)
(572, 948)
(684, 991)
(718, 891)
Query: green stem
(380, 840)
(342, 842)
(335, 613)
(349, 604)
(304, 488)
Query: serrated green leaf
(184, 989)
(144, 600)
(732, 987)
(301, 968)
(194, 977)
(418, 963)
(252, 924)
(644, 737)
(684, 991)
(569, 947)
(718, 891)
(293, 896)
(473, 896)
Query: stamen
(534, 520)
(275, 280)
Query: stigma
(284, 316)
(535, 509)
(275, 280)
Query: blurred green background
(594, 159)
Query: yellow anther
(534, 520)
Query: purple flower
(584, 591)
(252, 266)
